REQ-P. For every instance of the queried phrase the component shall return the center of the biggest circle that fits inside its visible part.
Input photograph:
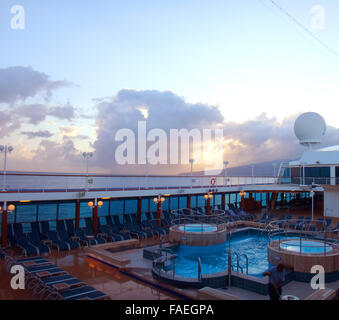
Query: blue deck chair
(122, 227)
(296, 223)
(96, 295)
(44, 227)
(27, 248)
(60, 245)
(63, 235)
(10, 235)
(35, 228)
(131, 229)
(89, 231)
(73, 293)
(132, 218)
(109, 235)
(328, 222)
(70, 227)
(304, 225)
(115, 229)
(35, 240)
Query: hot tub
(198, 227)
(307, 246)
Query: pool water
(307, 246)
(198, 227)
(215, 258)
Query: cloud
(36, 113)
(37, 134)
(165, 110)
(19, 83)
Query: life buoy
(213, 181)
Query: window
(131, 206)
(66, 211)
(24, 213)
(117, 207)
(182, 202)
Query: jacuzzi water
(307, 246)
(198, 227)
(215, 258)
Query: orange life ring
(213, 181)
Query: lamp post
(87, 156)
(208, 197)
(312, 193)
(159, 200)
(252, 166)
(191, 160)
(94, 205)
(274, 167)
(225, 172)
(4, 210)
(303, 172)
(5, 149)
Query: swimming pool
(198, 227)
(215, 258)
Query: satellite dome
(309, 128)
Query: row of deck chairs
(67, 237)
(301, 223)
(47, 281)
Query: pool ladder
(238, 266)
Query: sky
(80, 70)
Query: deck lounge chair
(296, 223)
(27, 248)
(134, 220)
(35, 240)
(108, 233)
(44, 227)
(10, 235)
(56, 241)
(80, 233)
(35, 228)
(115, 229)
(132, 229)
(63, 235)
(89, 231)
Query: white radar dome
(309, 128)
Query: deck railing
(42, 182)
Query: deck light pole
(274, 169)
(312, 194)
(191, 160)
(252, 166)
(225, 172)
(159, 200)
(95, 205)
(4, 211)
(87, 156)
(208, 197)
(5, 149)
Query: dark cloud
(19, 83)
(37, 134)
